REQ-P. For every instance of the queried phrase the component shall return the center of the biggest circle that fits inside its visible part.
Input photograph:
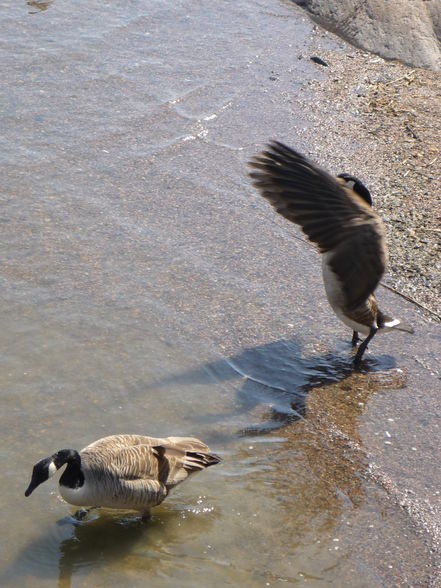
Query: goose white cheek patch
(52, 469)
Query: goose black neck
(359, 188)
(72, 476)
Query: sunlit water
(147, 289)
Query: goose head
(47, 467)
(357, 185)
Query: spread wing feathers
(331, 215)
(132, 458)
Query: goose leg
(363, 346)
(355, 339)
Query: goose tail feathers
(195, 460)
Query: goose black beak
(30, 489)
(33, 484)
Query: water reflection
(102, 541)
(112, 540)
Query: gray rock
(394, 29)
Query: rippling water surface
(147, 289)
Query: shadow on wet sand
(279, 377)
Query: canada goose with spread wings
(337, 215)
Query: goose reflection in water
(114, 541)
(126, 545)
(100, 540)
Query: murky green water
(147, 289)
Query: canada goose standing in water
(336, 214)
(124, 471)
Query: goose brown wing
(113, 442)
(137, 462)
(332, 216)
(176, 464)
(121, 441)
(166, 464)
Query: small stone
(319, 60)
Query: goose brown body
(334, 213)
(126, 471)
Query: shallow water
(146, 288)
